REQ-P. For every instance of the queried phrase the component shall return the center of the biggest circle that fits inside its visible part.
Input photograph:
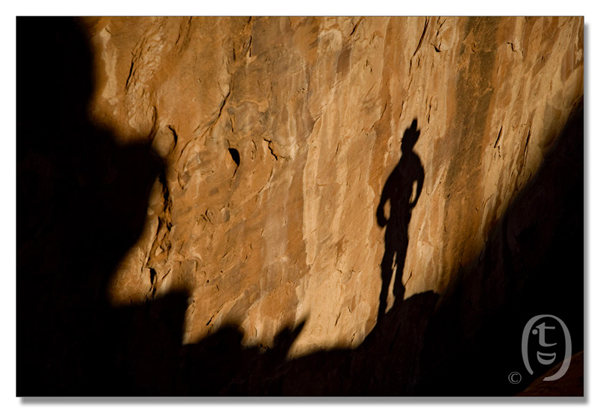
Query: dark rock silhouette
(82, 203)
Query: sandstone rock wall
(279, 134)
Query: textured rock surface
(276, 171)
(279, 134)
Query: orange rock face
(280, 133)
(390, 187)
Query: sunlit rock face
(279, 134)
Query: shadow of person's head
(411, 135)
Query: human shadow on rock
(82, 202)
(398, 191)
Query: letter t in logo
(544, 358)
(541, 328)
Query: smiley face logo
(549, 355)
